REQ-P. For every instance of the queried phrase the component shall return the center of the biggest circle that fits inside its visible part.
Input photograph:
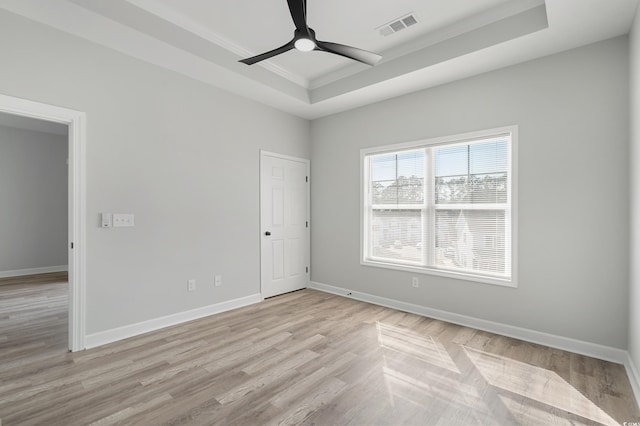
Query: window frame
(429, 219)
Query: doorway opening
(51, 116)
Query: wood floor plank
(48, 278)
(305, 357)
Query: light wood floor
(52, 277)
(301, 358)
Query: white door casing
(284, 223)
(75, 120)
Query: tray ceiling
(452, 39)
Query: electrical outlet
(415, 282)
(217, 280)
(191, 285)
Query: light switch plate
(123, 220)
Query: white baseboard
(124, 332)
(33, 271)
(593, 350)
(634, 378)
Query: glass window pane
(452, 160)
(489, 188)
(396, 235)
(488, 157)
(410, 190)
(411, 164)
(472, 173)
(452, 190)
(384, 192)
(383, 167)
(398, 178)
(472, 240)
(411, 177)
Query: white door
(284, 217)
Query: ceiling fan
(304, 39)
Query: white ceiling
(252, 27)
(453, 39)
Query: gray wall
(634, 306)
(572, 113)
(181, 155)
(33, 199)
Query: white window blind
(443, 207)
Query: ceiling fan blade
(298, 9)
(354, 53)
(269, 54)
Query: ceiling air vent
(398, 24)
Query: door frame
(76, 210)
(307, 163)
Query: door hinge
(307, 269)
(72, 246)
(306, 224)
(306, 178)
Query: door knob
(267, 233)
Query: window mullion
(428, 221)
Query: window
(442, 206)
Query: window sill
(503, 282)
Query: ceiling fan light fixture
(304, 45)
(304, 40)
